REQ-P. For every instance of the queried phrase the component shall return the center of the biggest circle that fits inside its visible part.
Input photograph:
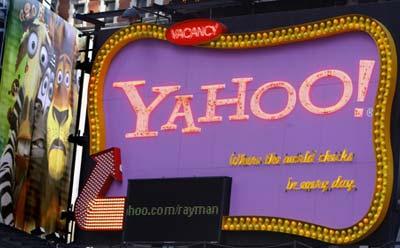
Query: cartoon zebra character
(7, 163)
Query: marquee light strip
(92, 211)
(280, 36)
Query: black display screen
(176, 209)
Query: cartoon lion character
(59, 118)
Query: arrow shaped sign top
(92, 210)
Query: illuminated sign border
(274, 37)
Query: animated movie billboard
(298, 117)
(38, 101)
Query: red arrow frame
(93, 211)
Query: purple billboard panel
(300, 128)
(258, 188)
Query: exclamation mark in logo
(364, 76)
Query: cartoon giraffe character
(34, 47)
(32, 59)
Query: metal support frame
(87, 18)
(151, 11)
(93, 18)
(176, 11)
(84, 67)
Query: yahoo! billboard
(298, 117)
